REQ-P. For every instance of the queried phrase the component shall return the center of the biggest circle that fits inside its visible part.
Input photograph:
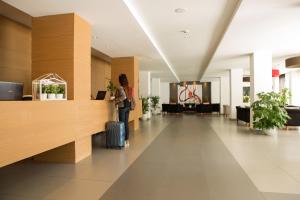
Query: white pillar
(155, 87)
(275, 84)
(294, 82)
(165, 93)
(236, 90)
(145, 84)
(261, 75)
(225, 90)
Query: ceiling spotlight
(179, 10)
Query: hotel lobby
(211, 89)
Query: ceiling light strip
(154, 43)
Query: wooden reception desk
(32, 127)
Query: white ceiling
(272, 25)
(268, 25)
(119, 34)
(205, 20)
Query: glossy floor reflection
(172, 157)
(186, 161)
(271, 161)
(88, 180)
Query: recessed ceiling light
(180, 10)
(185, 31)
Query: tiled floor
(188, 157)
(186, 161)
(271, 161)
(87, 180)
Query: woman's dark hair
(123, 80)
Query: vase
(270, 131)
(60, 96)
(43, 96)
(51, 96)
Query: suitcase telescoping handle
(117, 113)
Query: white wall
(155, 87)
(215, 88)
(220, 89)
(236, 90)
(261, 75)
(294, 83)
(225, 90)
(164, 92)
(144, 84)
(215, 91)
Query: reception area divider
(60, 131)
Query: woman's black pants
(123, 117)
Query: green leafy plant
(53, 89)
(111, 88)
(285, 95)
(269, 111)
(145, 105)
(246, 99)
(154, 102)
(45, 89)
(60, 89)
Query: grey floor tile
(281, 196)
(186, 161)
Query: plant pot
(145, 117)
(59, 96)
(51, 96)
(43, 96)
(270, 131)
(156, 111)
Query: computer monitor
(101, 95)
(10, 91)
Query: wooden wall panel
(82, 59)
(15, 14)
(100, 75)
(15, 53)
(62, 44)
(30, 128)
(124, 65)
(130, 67)
(53, 47)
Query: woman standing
(125, 101)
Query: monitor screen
(101, 95)
(10, 91)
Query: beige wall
(100, 75)
(15, 53)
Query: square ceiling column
(62, 44)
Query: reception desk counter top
(31, 127)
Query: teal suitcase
(115, 134)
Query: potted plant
(45, 90)
(246, 99)
(269, 112)
(52, 92)
(60, 92)
(112, 89)
(145, 107)
(285, 96)
(154, 104)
